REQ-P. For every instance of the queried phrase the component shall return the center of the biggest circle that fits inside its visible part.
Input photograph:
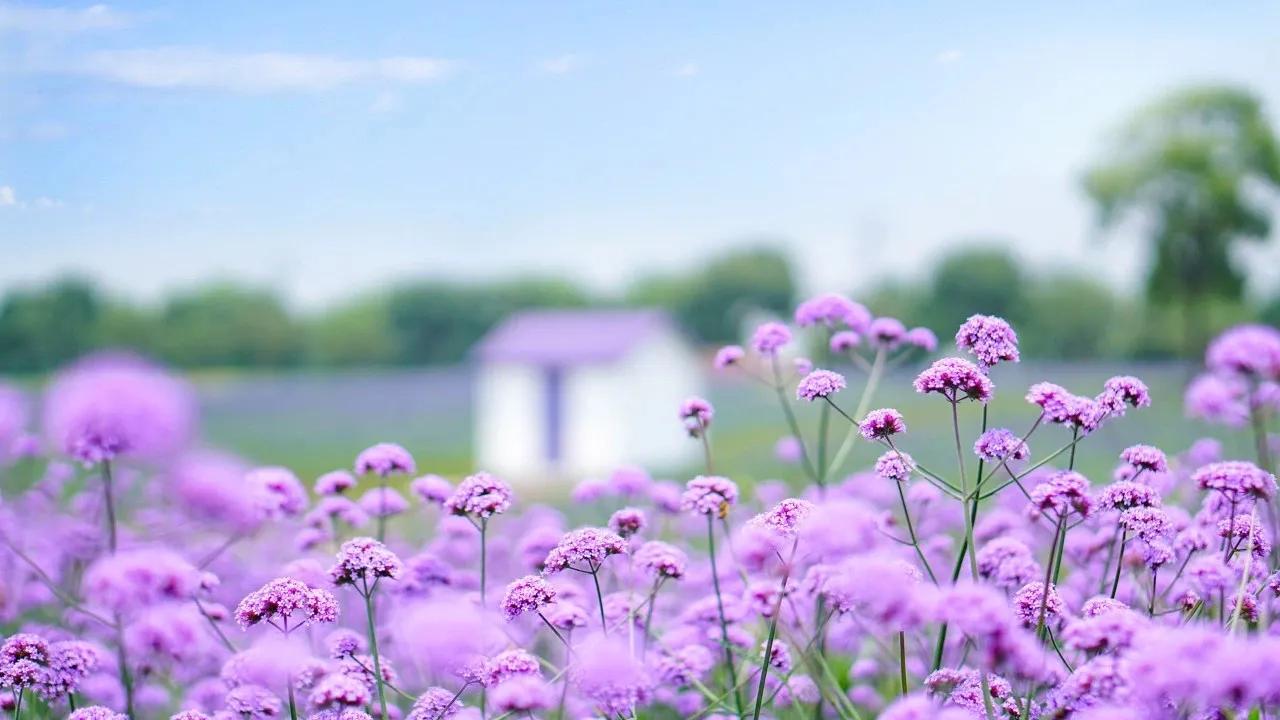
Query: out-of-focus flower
(1236, 479)
(770, 337)
(727, 356)
(132, 580)
(710, 495)
(662, 560)
(895, 465)
(605, 672)
(334, 483)
(627, 521)
(1252, 350)
(844, 341)
(697, 414)
(832, 311)
(922, 338)
(1062, 493)
(431, 489)
(789, 449)
(785, 517)
(385, 460)
(435, 703)
(886, 333)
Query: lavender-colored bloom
(881, 424)
(527, 594)
(344, 643)
(788, 449)
(287, 604)
(583, 549)
(1127, 494)
(1252, 350)
(522, 694)
(1028, 599)
(385, 460)
(955, 379)
(70, 662)
(785, 517)
(383, 502)
(335, 483)
(1218, 399)
(605, 672)
(1000, 444)
(627, 521)
(844, 341)
(254, 701)
(1148, 523)
(363, 561)
(630, 481)
(481, 495)
(1236, 479)
(886, 332)
(339, 691)
(1145, 457)
(919, 707)
(565, 615)
(111, 405)
(589, 490)
(435, 703)
(1062, 493)
(280, 489)
(431, 489)
(833, 311)
(96, 712)
(819, 384)
(895, 465)
(710, 495)
(507, 665)
(1007, 563)
(989, 338)
(727, 356)
(921, 337)
(134, 579)
(1123, 391)
(770, 337)
(662, 560)
(697, 414)
(1244, 532)
(339, 508)
(685, 665)
(897, 600)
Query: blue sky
(328, 148)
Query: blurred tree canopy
(1191, 167)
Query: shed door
(553, 404)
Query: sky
(330, 148)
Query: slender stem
(17, 707)
(382, 516)
(724, 625)
(969, 519)
(648, 616)
(792, 424)
(293, 704)
(213, 624)
(553, 629)
(864, 404)
(706, 447)
(1115, 582)
(373, 647)
(824, 424)
(122, 654)
(1058, 531)
(109, 499)
(484, 552)
(911, 532)
(1151, 607)
(773, 632)
(595, 577)
(902, 661)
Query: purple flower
(709, 495)
(1148, 523)
(1218, 399)
(727, 356)
(785, 517)
(522, 694)
(96, 712)
(881, 424)
(287, 604)
(1127, 494)
(1244, 532)
(770, 337)
(627, 522)
(565, 615)
(1000, 444)
(605, 672)
(819, 384)
(1028, 599)
(280, 489)
(344, 643)
(1121, 391)
(363, 561)
(383, 502)
(1252, 350)
(833, 311)
(630, 481)
(955, 379)
(1145, 457)
(335, 483)
(340, 691)
(253, 701)
(895, 465)
(481, 495)
(1062, 493)
(435, 703)
(384, 460)
(922, 338)
(111, 405)
(525, 595)
(988, 338)
(696, 414)
(685, 665)
(431, 489)
(844, 341)
(1007, 562)
(1236, 479)
(135, 579)
(886, 332)
(662, 560)
(897, 600)
(507, 665)
(584, 549)
(789, 450)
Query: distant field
(314, 422)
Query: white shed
(571, 393)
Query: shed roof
(570, 337)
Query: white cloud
(182, 67)
(688, 70)
(560, 65)
(948, 57)
(386, 103)
(59, 20)
(8, 198)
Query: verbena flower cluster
(142, 576)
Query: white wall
(508, 420)
(662, 373)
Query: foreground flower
(881, 424)
(384, 460)
(525, 595)
(989, 338)
(710, 495)
(287, 604)
(955, 379)
(363, 561)
(480, 495)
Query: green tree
(49, 326)
(1190, 167)
(228, 325)
(982, 278)
(1067, 318)
(356, 333)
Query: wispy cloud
(8, 198)
(948, 57)
(688, 69)
(560, 65)
(197, 68)
(59, 20)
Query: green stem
(382, 517)
(724, 625)
(373, 648)
(484, 555)
(293, 705)
(969, 519)
(1115, 583)
(864, 404)
(902, 661)
(911, 532)
(792, 424)
(595, 578)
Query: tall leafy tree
(1191, 168)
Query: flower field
(883, 525)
